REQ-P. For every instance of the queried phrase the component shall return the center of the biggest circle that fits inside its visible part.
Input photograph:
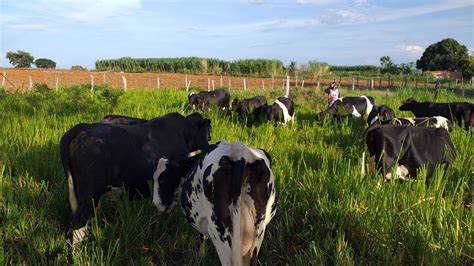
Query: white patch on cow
(160, 208)
(72, 193)
(400, 173)
(442, 122)
(192, 93)
(286, 114)
(411, 120)
(355, 113)
(191, 154)
(78, 236)
(374, 120)
(370, 106)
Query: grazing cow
(122, 120)
(204, 99)
(247, 106)
(356, 106)
(379, 114)
(100, 157)
(282, 110)
(460, 112)
(408, 148)
(435, 121)
(228, 194)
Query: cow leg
(82, 215)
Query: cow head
(200, 134)
(380, 114)
(408, 104)
(167, 181)
(235, 103)
(193, 100)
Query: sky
(339, 32)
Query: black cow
(379, 114)
(228, 195)
(99, 157)
(282, 110)
(122, 120)
(460, 112)
(356, 106)
(408, 148)
(204, 99)
(435, 121)
(246, 107)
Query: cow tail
(237, 182)
(64, 152)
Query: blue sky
(340, 32)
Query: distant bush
(40, 87)
(45, 63)
(77, 67)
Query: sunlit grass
(327, 214)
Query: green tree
(45, 63)
(447, 54)
(20, 58)
(388, 66)
(315, 68)
(468, 68)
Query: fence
(23, 79)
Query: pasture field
(328, 213)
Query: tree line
(447, 55)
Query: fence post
(229, 84)
(221, 82)
(186, 82)
(357, 83)
(92, 82)
(273, 81)
(353, 83)
(245, 84)
(212, 82)
(302, 84)
(158, 81)
(30, 84)
(296, 80)
(263, 85)
(56, 82)
(319, 81)
(416, 83)
(3, 78)
(372, 84)
(124, 79)
(287, 87)
(103, 75)
(208, 84)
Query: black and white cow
(460, 112)
(407, 148)
(435, 121)
(356, 106)
(227, 194)
(203, 99)
(282, 110)
(379, 114)
(100, 157)
(246, 107)
(122, 120)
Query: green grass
(327, 214)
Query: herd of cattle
(227, 191)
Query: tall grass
(327, 214)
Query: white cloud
(256, 2)
(315, 2)
(413, 49)
(343, 17)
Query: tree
(20, 58)
(447, 54)
(316, 68)
(78, 67)
(388, 66)
(468, 68)
(45, 63)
